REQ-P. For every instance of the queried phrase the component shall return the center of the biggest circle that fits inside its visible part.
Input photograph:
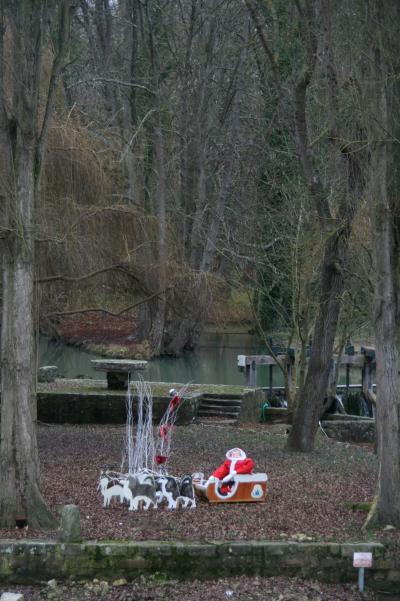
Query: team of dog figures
(145, 490)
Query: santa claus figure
(236, 463)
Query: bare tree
(23, 135)
(381, 108)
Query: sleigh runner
(244, 488)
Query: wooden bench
(119, 371)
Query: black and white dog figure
(186, 493)
(167, 491)
(143, 490)
(140, 492)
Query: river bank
(105, 335)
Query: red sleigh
(245, 488)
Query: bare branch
(63, 42)
(65, 278)
(263, 39)
(117, 82)
(102, 310)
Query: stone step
(218, 395)
(223, 408)
(214, 401)
(215, 413)
(216, 422)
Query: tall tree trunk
(129, 131)
(384, 210)
(159, 305)
(23, 143)
(336, 230)
(227, 177)
(310, 403)
(386, 508)
(19, 461)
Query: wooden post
(289, 371)
(271, 377)
(248, 375)
(367, 386)
(253, 375)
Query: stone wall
(252, 401)
(350, 430)
(108, 407)
(102, 408)
(28, 562)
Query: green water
(213, 362)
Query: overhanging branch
(106, 311)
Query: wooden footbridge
(363, 362)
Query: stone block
(12, 597)
(350, 431)
(70, 527)
(251, 404)
(47, 373)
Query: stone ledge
(35, 561)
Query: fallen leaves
(309, 496)
(225, 589)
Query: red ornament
(163, 431)
(160, 459)
(174, 402)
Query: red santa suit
(236, 463)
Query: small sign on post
(241, 359)
(362, 561)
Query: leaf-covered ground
(309, 495)
(229, 589)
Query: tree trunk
(19, 461)
(227, 178)
(386, 508)
(384, 216)
(159, 305)
(311, 398)
(23, 143)
(335, 228)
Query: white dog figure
(114, 491)
(103, 483)
(126, 491)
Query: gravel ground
(309, 495)
(235, 589)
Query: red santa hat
(235, 454)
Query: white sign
(362, 560)
(241, 360)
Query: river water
(213, 362)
